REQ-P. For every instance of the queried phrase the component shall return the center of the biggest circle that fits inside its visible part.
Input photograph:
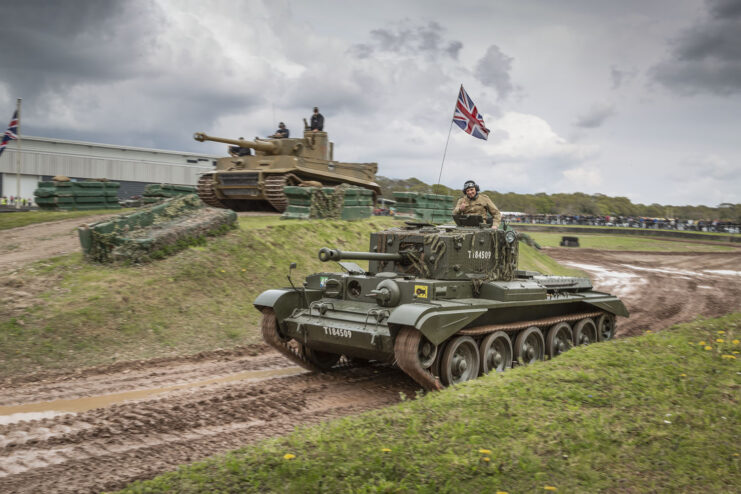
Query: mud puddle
(46, 409)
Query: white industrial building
(43, 158)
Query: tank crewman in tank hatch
(282, 132)
(317, 121)
(237, 151)
(474, 203)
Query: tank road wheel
(585, 332)
(529, 345)
(460, 361)
(606, 327)
(496, 352)
(560, 338)
(323, 360)
(412, 355)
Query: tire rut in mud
(107, 448)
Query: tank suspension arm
(269, 147)
(326, 254)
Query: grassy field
(655, 413)
(626, 242)
(198, 300)
(13, 220)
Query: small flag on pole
(468, 118)
(11, 133)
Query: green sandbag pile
(77, 196)
(155, 231)
(432, 208)
(343, 202)
(154, 193)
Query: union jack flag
(11, 133)
(468, 118)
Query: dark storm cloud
(56, 44)
(493, 71)
(595, 116)
(707, 56)
(405, 39)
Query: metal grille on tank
(249, 178)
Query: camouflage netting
(341, 202)
(154, 232)
(64, 195)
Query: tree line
(577, 203)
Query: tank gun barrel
(326, 254)
(264, 146)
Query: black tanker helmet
(469, 184)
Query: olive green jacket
(479, 205)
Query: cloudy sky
(632, 98)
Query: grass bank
(655, 413)
(14, 220)
(625, 242)
(198, 300)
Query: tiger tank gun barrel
(268, 147)
(326, 254)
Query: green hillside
(655, 413)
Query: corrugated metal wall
(77, 159)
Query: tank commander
(237, 151)
(282, 132)
(474, 203)
(317, 121)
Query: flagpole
(445, 152)
(18, 162)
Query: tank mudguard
(613, 306)
(284, 300)
(436, 323)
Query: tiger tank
(256, 181)
(446, 304)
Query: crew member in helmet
(474, 203)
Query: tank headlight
(510, 236)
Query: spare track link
(405, 350)
(269, 327)
(274, 194)
(206, 191)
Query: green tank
(444, 303)
(256, 182)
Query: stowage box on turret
(446, 304)
(256, 182)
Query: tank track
(207, 193)
(407, 344)
(274, 194)
(405, 352)
(269, 328)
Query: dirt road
(40, 241)
(103, 428)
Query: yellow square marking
(420, 291)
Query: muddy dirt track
(175, 411)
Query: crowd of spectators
(626, 222)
